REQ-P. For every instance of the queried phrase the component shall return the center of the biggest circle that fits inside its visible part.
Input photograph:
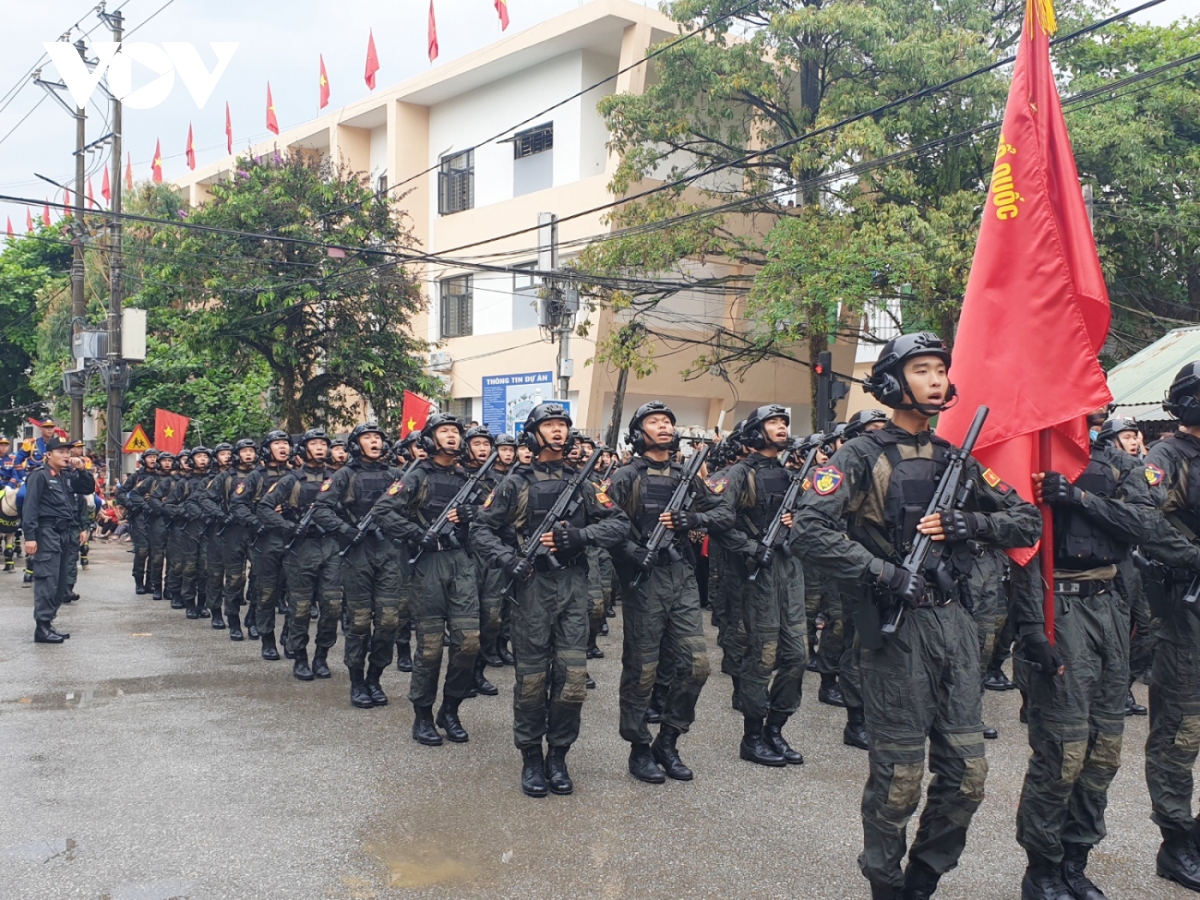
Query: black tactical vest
(236, 478)
(367, 486)
(441, 486)
(1079, 543)
(543, 491)
(1189, 514)
(307, 488)
(770, 482)
(654, 495)
(909, 490)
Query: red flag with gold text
(1036, 313)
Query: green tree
(330, 326)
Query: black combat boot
(990, 733)
(44, 634)
(235, 627)
(404, 655)
(855, 732)
(482, 685)
(218, 622)
(1075, 857)
(490, 656)
(139, 586)
(448, 721)
(320, 665)
(556, 771)
(1178, 861)
(642, 765)
(996, 680)
(156, 594)
(193, 609)
(1043, 881)
(594, 651)
(269, 649)
(658, 700)
(378, 697)
(359, 695)
(886, 892)
(202, 609)
(177, 602)
(666, 754)
(252, 626)
(773, 737)
(590, 683)
(504, 653)
(920, 881)
(754, 749)
(830, 694)
(300, 667)
(423, 731)
(533, 772)
(1132, 707)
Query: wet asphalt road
(150, 758)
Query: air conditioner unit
(440, 361)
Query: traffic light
(829, 391)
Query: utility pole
(78, 308)
(118, 370)
(559, 303)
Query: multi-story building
(431, 134)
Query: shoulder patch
(602, 498)
(717, 485)
(1154, 474)
(396, 488)
(806, 484)
(487, 504)
(325, 485)
(241, 488)
(826, 480)
(995, 482)
(271, 488)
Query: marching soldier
(923, 684)
(444, 590)
(234, 537)
(214, 514)
(131, 500)
(507, 448)
(1174, 738)
(772, 610)
(661, 613)
(371, 568)
(491, 581)
(311, 565)
(155, 490)
(172, 507)
(195, 527)
(266, 541)
(50, 520)
(550, 624)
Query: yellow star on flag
(169, 431)
(323, 81)
(412, 424)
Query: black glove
(643, 558)
(683, 520)
(465, 513)
(1041, 655)
(964, 526)
(763, 556)
(518, 567)
(901, 583)
(1057, 491)
(567, 538)
(429, 541)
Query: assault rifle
(468, 494)
(951, 494)
(367, 523)
(303, 528)
(681, 501)
(771, 540)
(564, 507)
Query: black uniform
(51, 516)
(266, 548)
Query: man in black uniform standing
(266, 542)
(311, 565)
(922, 684)
(195, 527)
(443, 591)
(371, 566)
(50, 521)
(214, 515)
(661, 613)
(155, 490)
(479, 445)
(550, 605)
(234, 538)
(131, 500)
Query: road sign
(138, 442)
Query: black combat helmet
(886, 381)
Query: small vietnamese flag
(372, 60)
(105, 187)
(46, 214)
(156, 166)
(129, 171)
(502, 11)
(10, 228)
(414, 413)
(272, 121)
(433, 42)
(324, 84)
(170, 430)
(191, 149)
(228, 130)
(28, 219)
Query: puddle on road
(231, 679)
(171, 889)
(44, 851)
(413, 864)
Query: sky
(278, 42)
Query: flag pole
(1047, 545)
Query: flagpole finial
(1040, 13)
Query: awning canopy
(1139, 383)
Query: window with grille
(456, 306)
(535, 140)
(456, 183)
(460, 408)
(381, 184)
